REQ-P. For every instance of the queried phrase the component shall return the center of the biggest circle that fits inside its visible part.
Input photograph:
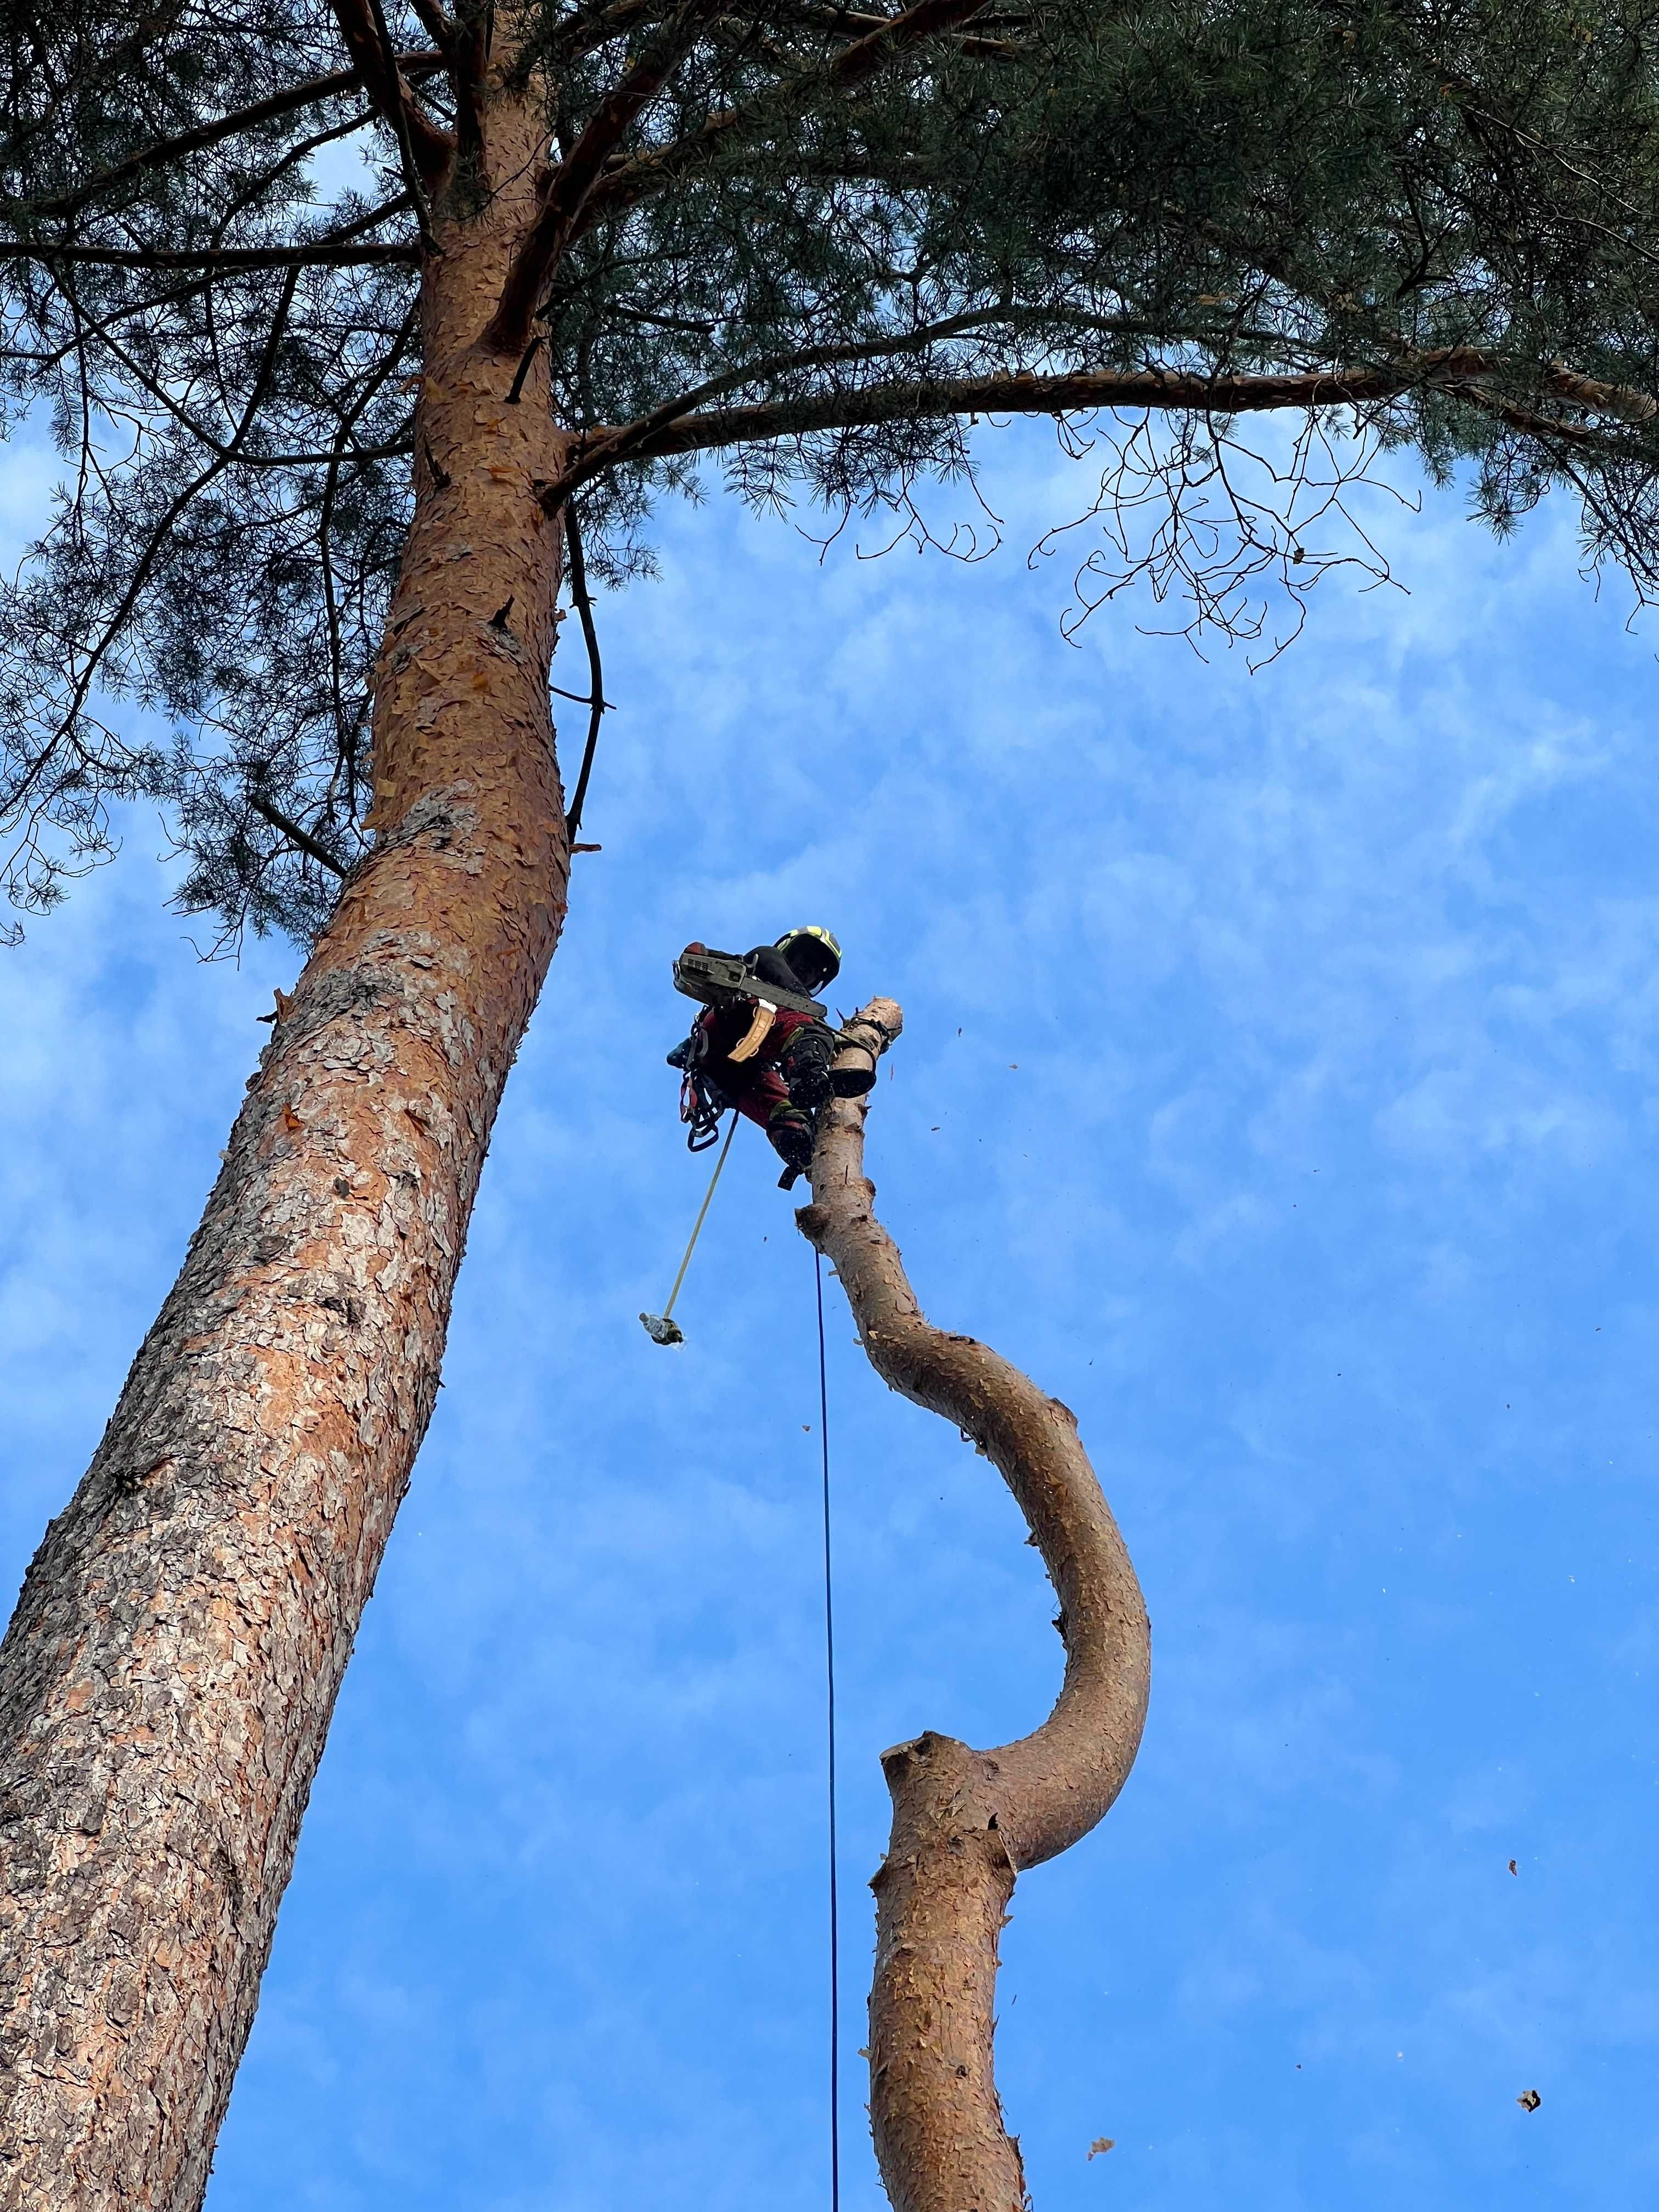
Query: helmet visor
(811, 959)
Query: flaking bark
(168, 1680)
(966, 1822)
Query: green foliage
(1239, 187)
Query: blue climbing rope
(829, 1680)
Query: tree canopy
(821, 242)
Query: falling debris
(1099, 2144)
(1529, 2100)
(1513, 1867)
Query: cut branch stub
(964, 1821)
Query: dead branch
(965, 1822)
(596, 698)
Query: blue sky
(1281, 1084)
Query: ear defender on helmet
(816, 948)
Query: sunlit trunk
(168, 1680)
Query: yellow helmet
(828, 943)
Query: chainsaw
(719, 979)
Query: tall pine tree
(357, 327)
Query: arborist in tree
(762, 1042)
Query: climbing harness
(829, 1684)
(663, 1328)
(701, 1105)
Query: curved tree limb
(596, 698)
(965, 1822)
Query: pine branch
(166, 150)
(580, 35)
(402, 113)
(349, 422)
(854, 65)
(222, 261)
(427, 147)
(176, 507)
(572, 182)
(437, 27)
(1457, 372)
(1080, 393)
(857, 23)
(296, 835)
(634, 440)
(468, 49)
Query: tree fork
(168, 1680)
(966, 1822)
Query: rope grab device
(663, 1328)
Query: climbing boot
(805, 1067)
(790, 1133)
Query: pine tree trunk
(167, 1679)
